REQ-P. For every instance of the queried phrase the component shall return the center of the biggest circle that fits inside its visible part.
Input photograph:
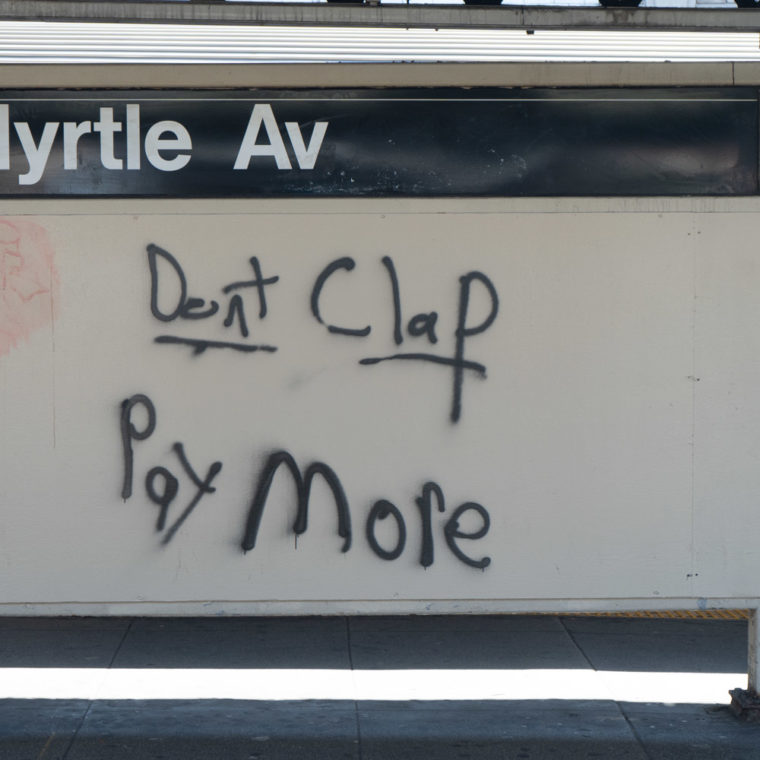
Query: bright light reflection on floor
(383, 685)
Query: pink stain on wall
(28, 281)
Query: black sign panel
(379, 143)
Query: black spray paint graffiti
(303, 491)
(161, 487)
(170, 484)
(192, 307)
(421, 325)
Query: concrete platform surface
(372, 688)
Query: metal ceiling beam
(403, 16)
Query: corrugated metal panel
(39, 42)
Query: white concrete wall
(614, 443)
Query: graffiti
(379, 511)
(303, 489)
(162, 486)
(247, 299)
(164, 498)
(28, 282)
(422, 325)
(194, 308)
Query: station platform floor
(373, 688)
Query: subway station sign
(481, 142)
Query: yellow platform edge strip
(676, 614)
